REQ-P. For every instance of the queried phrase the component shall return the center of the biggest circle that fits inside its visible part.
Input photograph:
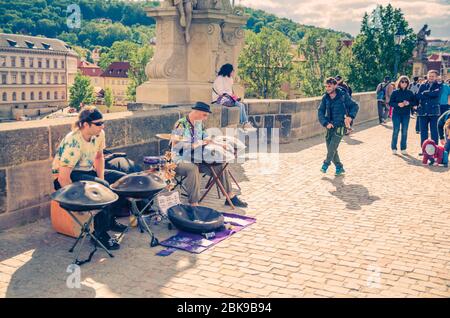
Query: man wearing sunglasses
(79, 157)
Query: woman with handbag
(222, 93)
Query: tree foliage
(109, 98)
(81, 92)
(323, 58)
(374, 50)
(265, 62)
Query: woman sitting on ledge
(222, 93)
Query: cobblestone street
(381, 231)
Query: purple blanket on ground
(196, 243)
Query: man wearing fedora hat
(191, 129)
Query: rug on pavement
(196, 243)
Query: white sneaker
(394, 152)
(404, 152)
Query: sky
(346, 15)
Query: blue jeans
(243, 118)
(432, 123)
(400, 121)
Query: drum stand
(143, 226)
(85, 232)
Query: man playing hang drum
(191, 129)
(79, 157)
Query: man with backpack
(335, 112)
(382, 99)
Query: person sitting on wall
(79, 157)
(192, 130)
(222, 94)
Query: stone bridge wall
(27, 148)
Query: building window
(4, 78)
(40, 78)
(40, 95)
(55, 95)
(3, 61)
(48, 77)
(48, 95)
(55, 79)
(5, 97)
(63, 79)
(23, 77)
(47, 62)
(32, 95)
(39, 63)
(63, 96)
(22, 62)
(31, 61)
(14, 96)
(14, 78)
(31, 78)
(13, 61)
(23, 96)
(62, 63)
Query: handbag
(225, 99)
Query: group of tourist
(427, 98)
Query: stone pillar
(183, 73)
(419, 68)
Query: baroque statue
(420, 51)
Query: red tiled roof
(89, 69)
(117, 69)
(434, 65)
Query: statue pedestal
(419, 68)
(182, 72)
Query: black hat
(202, 107)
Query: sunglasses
(404, 82)
(98, 124)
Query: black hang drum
(139, 185)
(195, 219)
(84, 196)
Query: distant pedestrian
(414, 87)
(381, 99)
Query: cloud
(346, 15)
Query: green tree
(137, 74)
(374, 49)
(265, 62)
(109, 98)
(324, 57)
(119, 52)
(81, 92)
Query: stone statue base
(419, 68)
(182, 72)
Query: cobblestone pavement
(383, 230)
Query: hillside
(105, 22)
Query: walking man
(335, 112)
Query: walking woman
(402, 99)
(222, 94)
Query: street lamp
(398, 39)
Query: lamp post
(398, 39)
